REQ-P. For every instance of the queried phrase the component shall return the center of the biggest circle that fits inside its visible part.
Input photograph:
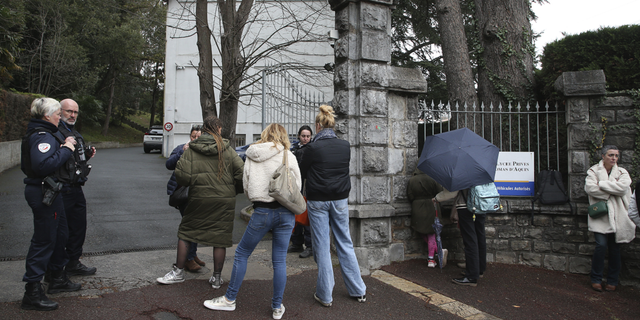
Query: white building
(273, 22)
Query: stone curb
(429, 296)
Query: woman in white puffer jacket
(263, 158)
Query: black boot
(76, 268)
(60, 283)
(35, 299)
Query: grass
(122, 134)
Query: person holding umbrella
(473, 237)
(420, 191)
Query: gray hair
(606, 148)
(42, 107)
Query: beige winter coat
(262, 161)
(614, 188)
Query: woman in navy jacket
(44, 152)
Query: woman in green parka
(213, 171)
(420, 191)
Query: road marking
(429, 296)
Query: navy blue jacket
(175, 155)
(47, 155)
(325, 166)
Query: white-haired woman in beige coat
(608, 182)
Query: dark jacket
(175, 155)
(45, 153)
(208, 217)
(420, 191)
(298, 150)
(75, 170)
(325, 166)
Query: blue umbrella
(459, 159)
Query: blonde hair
(326, 117)
(42, 107)
(212, 126)
(277, 134)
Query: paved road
(127, 206)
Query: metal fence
(286, 102)
(538, 129)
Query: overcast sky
(577, 16)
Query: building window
(256, 137)
(241, 140)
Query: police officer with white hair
(44, 153)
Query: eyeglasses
(71, 111)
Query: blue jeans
(281, 222)
(604, 241)
(334, 216)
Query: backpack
(484, 198)
(550, 190)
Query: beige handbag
(284, 189)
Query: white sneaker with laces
(176, 275)
(221, 303)
(277, 313)
(432, 264)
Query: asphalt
(125, 288)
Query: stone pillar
(376, 108)
(581, 89)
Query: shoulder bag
(284, 189)
(179, 196)
(598, 209)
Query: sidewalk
(125, 288)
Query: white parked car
(153, 139)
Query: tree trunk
(505, 66)
(154, 95)
(457, 65)
(233, 63)
(107, 118)
(205, 66)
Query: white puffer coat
(262, 161)
(614, 188)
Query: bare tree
(244, 34)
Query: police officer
(44, 153)
(74, 176)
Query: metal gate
(286, 102)
(539, 129)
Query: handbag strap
(285, 161)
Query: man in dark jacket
(75, 176)
(301, 233)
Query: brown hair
(212, 126)
(326, 117)
(277, 134)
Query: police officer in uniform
(44, 153)
(74, 176)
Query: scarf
(326, 133)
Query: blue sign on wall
(516, 188)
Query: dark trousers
(50, 233)
(604, 242)
(193, 247)
(75, 207)
(301, 234)
(475, 243)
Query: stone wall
(556, 239)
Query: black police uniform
(74, 176)
(46, 251)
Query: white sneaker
(445, 252)
(176, 275)
(221, 303)
(277, 313)
(431, 264)
(216, 282)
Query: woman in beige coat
(608, 182)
